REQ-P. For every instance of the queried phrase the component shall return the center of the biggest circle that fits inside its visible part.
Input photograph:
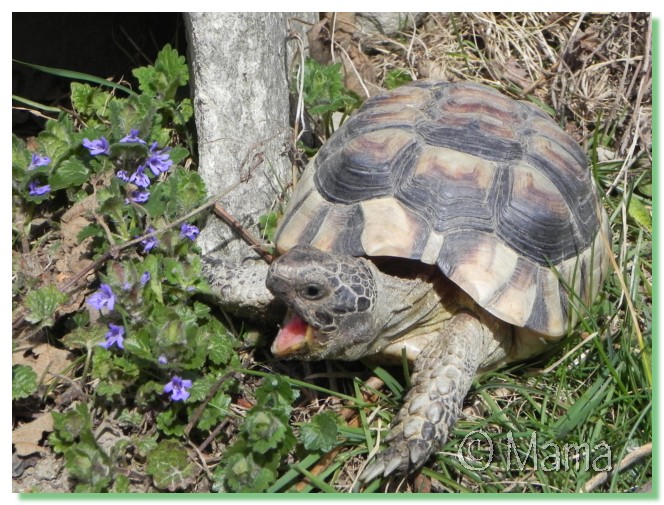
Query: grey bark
(240, 85)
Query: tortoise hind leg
(442, 376)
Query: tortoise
(443, 221)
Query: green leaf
(130, 418)
(264, 430)
(85, 337)
(321, 433)
(89, 464)
(70, 173)
(91, 230)
(152, 264)
(215, 411)
(139, 345)
(121, 484)
(109, 389)
(159, 198)
(128, 150)
(277, 395)
(170, 424)
(170, 467)
(241, 472)
(267, 223)
(162, 79)
(24, 381)
(187, 192)
(640, 213)
(185, 112)
(645, 189)
(43, 303)
(324, 90)
(136, 112)
(220, 345)
(56, 139)
(21, 157)
(68, 426)
(88, 100)
(177, 154)
(397, 77)
(145, 443)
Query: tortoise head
(331, 298)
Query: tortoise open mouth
(294, 336)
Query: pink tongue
(291, 337)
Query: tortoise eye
(312, 292)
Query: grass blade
(77, 76)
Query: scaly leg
(240, 288)
(443, 373)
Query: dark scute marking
(469, 138)
(313, 226)
(363, 303)
(292, 213)
(454, 249)
(564, 300)
(539, 319)
(532, 229)
(349, 237)
(443, 206)
(350, 179)
(574, 184)
(373, 119)
(584, 276)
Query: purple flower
(122, 175)
(115, 335)
(159, 160)
(150, 242)
(189, 230)
(38, 190)
(162, 359)
(178, 388)
(145, 278)
(126, 286)
(102, 298)
(38, 161)
(97, 146)
(139, 178)
(132, 137)
(138, 196)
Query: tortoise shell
(488, 188)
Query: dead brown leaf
(26, 438)
(74, 254)
(44, 358)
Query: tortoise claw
(387, 462)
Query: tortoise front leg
(240, 287)
(442, 376)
